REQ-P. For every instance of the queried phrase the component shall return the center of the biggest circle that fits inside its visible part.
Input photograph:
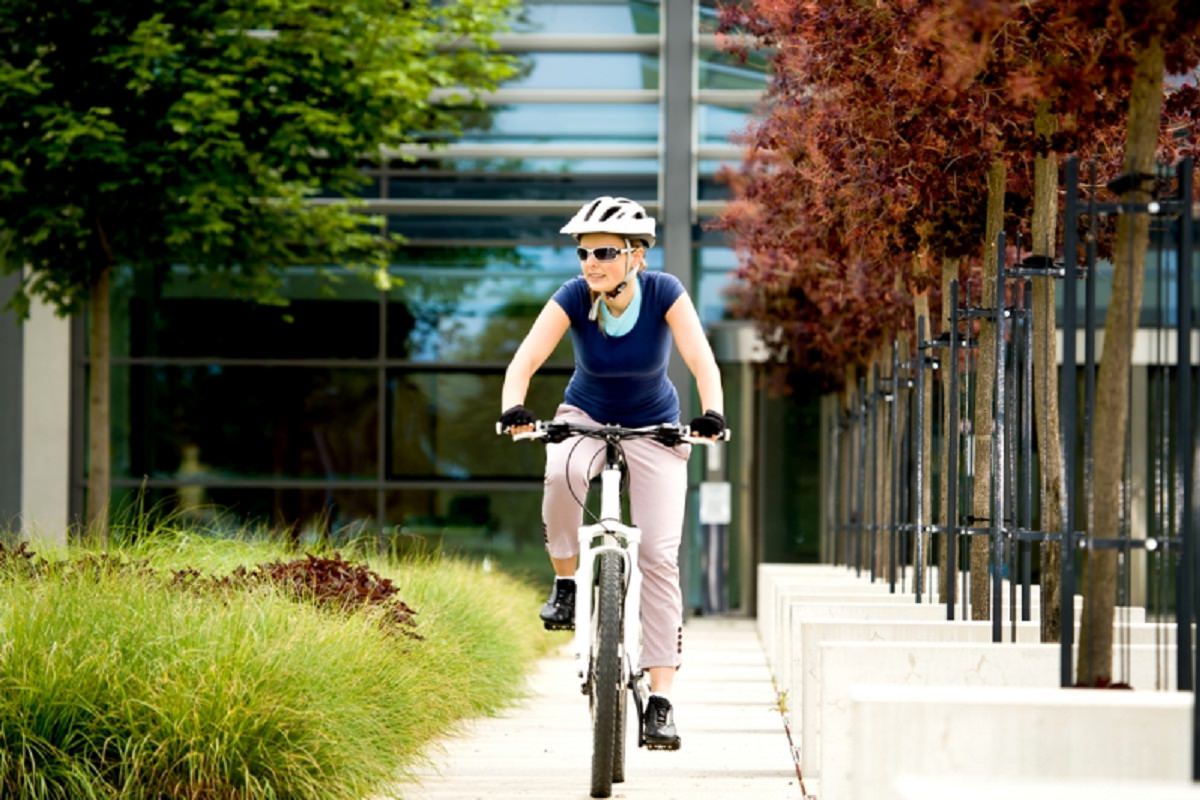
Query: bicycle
(607, 638)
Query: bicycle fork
(615, 537)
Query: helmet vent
(607, 214)
(592, 210)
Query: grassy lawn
(117, 681)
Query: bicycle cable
(571, 487)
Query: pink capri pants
(657, 492)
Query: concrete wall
(45, 430)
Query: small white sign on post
(716, 503)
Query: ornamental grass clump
(120, 680)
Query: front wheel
(619, 737)
(606, 673)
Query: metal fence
(882, 481)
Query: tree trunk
(99, 373)
(1112, 388)
(985, 365)
(1045, 375)
(921, 541)
(949, 273)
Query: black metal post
(862, 473)
(919, 461)
(906, 466)
(874, 466)
(895, 436)
(851, 471)
(1067, 388)
(835, 478)
(1027, 454)
(997, 487)
(842, 502)
(1184, 448)
(952, 442)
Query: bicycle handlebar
(554, 431)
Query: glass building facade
(355, 410)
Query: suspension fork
(611, 531)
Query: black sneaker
(559, 612)
(658, 728)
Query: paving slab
(734, 742)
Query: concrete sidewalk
(734, 744)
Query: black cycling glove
(711, 424)
(515, 417)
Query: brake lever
(554, 434)
(669, 437)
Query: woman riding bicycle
(622, 320)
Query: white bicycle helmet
(617, 215)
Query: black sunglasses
(602, 253)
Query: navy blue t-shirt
(622, 380)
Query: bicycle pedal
(664, 746)
(559, 626)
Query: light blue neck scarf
(619, 326)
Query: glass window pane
(504, 526)
(499, 261)
(467, 318)
(587, 71)
(245, 422)
(443, 424)
(305, 514)
(470, 316)
(714, 301)
(710, 15)
(574, 123)
(465, 228)
(635, 16)
(711, 188)
(721, 70)
(708, 168)
(448, 185)
(556, 166)
(187, 317)
(716, 258)
(718, 123)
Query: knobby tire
(606, 674)
(619, 737)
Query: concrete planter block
(771, 577)
(845, 665)
(1008, 733)
(913, 787)
(858, 610)
(772, 623)
(805, 689)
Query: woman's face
(603, 276)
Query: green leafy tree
(226, 135)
